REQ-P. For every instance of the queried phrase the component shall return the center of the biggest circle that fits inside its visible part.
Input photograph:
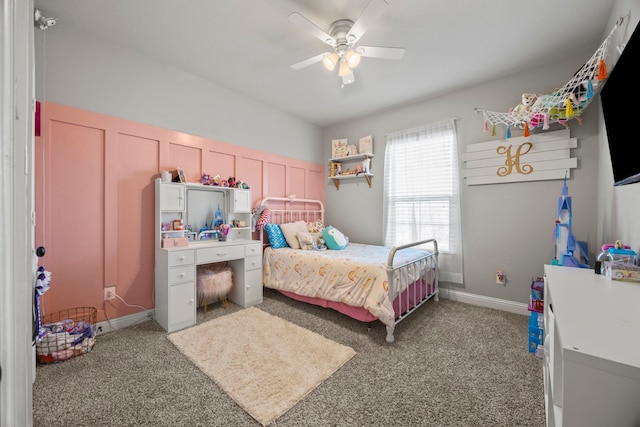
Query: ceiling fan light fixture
(353, 58)
(345, 70)
(330, 61)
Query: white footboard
(407, 292)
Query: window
(422, 193)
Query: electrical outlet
(109, 293)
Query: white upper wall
(76, 69)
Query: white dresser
(175, 267)
(592, 349)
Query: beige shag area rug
(265, 363)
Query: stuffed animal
(523, 111)
(334, 238)
(306, 240)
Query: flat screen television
(620, 116)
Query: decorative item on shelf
(334, 168)
(339, 148)
(166, 176)
(218, 218)
(352, 150)
(224, 232)
(181, 177)
(206, 179)
(366, 165)
(177, 224)
(366, 144)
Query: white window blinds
(422, 192)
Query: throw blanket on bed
(356, 275)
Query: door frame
(17, 214)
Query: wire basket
(66, 334)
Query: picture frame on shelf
(366, 144)
(181, 177)
(339, 148)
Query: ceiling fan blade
(296, 18)
(366, 18)
(381, 52)
(309, 61)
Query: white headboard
(288, 209)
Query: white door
(17, 361)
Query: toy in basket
(66, 334)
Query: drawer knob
(180, 258)
(181, 275)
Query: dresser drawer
(253, 249)
(177, 258)
(182, 274)
(219, 253)
(252, 263)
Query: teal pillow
(276, 238)
(334, 239)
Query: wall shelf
(336, 179)
(350, 159)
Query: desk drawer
(219, 253)
(252, 263)
(177, 258)
(182, 274)
(253, 249)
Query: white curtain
(422, 192)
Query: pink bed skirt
(415, 293)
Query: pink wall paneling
(95, 200)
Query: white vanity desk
(175, 267)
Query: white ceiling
(248, 45)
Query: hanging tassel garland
(569, 111)
(545, 122)
(508, 134)
(493, 129)
(485, 127)
(589, 93)
(602, 70)
(526, 129)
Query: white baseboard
(498, 304)
(123, 322)
(454, 295)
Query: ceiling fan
(342, 36)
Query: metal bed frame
(409, 296)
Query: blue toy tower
(569, 251)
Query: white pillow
(290, 230)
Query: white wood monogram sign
(537, 157)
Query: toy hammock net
(559, 106)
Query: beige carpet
(264, 363)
